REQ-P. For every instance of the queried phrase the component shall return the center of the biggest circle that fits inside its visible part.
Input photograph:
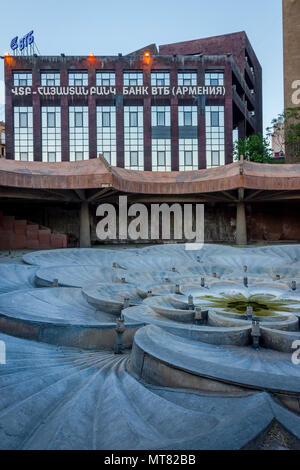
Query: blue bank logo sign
(23, 42)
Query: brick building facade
(2, 139)
(291, 60)
(156, 110)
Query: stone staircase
(18, 234)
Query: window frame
(23, 114)
(158, 157)
(185, 114)
(216, 115)
(76, 154)
(136, 156)
(190, 152)
(76, 114)
(23, 159)
(107, 116)
(131, 114)
(54, 121)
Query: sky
(77, 27)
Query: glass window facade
(106, 133)
(23, 133)
(161, 147)
(160, 116)
(188, 146)
(79, 133)
(188, 154)
(187, 116)
(215, 136)
(134, 137)
(161, 154)
(187, 78)
(50, 78)
(133, 78)
(22, 78)
(214, 78)
(51, 134)
(160, 78)
(78, 79)
(105, 78)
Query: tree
(254, 148)
(290, 138)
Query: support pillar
(241, 225)
(85, 231)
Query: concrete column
(241, 129)
(241, 226)
(85, 231)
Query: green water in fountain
(264, 305)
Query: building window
(107, 156)
(215, 158)
(51, 133)
(215, 136)
(51, 118)
(22, 78)
(23, 133)
(105, 78)
(214, 79)
(78, 118)
(23, 119)
(51, 157)
(134, 137)
(79, 133)
(106, 119)
(24, 156)
(160, 116)
(133, 119)
(134, 158)
(187, 78)
(133, 78)
(106, 133)
(188, 154)
(188, 158)
(187, 116)
(161, 120)
(161, 154)
(161, 158)
(161, 142)
(78, 155)
(78, 79)
(50, 79)
(160, 78)
(214, 117)
(2, 138)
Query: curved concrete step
(155, 349)
(63, 398)
(16, 277)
